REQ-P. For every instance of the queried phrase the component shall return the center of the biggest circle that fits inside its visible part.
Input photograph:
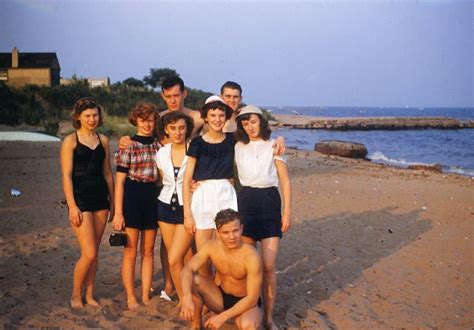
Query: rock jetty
(369, 123)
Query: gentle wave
(379, 157)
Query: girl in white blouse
(260, 173)
(171, 161)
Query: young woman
(211, 159)
(89, 189)
(171, 161)
(135, 200)
(259, 201)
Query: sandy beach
(371, 247)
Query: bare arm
(119, 220)
(109, 178)
(254, 285)
(67, 148)
(189, 222)
(187, 274)
(285, 185)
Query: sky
(416, 53)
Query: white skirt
(209, 198)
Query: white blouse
(170, 184)
(256, 164)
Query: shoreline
(368, 123)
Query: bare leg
(201, 237)
(86, 238)
(249, 320)
(205, 292)
(165, 267)
(176, 255)
(269, 255)
(147, 250)
(100, 221)
(128, 266)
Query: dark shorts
(230, 300)
(170, 213)
(139, 205)
(261, 210)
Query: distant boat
(295, 112)
(269, 110)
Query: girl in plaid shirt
(135, 200)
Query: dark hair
(216, 105)
(171, 81)
(171, 118)
(82, 105)
(231, 85)
(225, 216)
(242, 136)
(142, 110)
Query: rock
(438, 168)
(341, 148)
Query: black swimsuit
(89, 186)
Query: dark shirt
(213, 160)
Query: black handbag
(118, 238)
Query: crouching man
(239, 269)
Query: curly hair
(142, 110)
(82, 105)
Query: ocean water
(454, 149)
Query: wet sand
(371, 247)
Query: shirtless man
(174, 93)
(239, 268)
(231, 93)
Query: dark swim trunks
(231, 300)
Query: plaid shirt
(138, 159)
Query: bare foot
(146, 300)
(76, 302)
(92, 302)
(132, 304)
(269, 325)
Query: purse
(118, 238)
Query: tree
(156, 76)
(133, 82)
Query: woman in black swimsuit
(89, 190)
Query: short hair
(242, 136)
(142, 110)
(171, 81)
(231, 85)
(216, 105)
(225, 216)
(82, 105)
(171, 118)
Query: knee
(90, 255)
(174, 261)
(269, 270)
(147, 252)
(197, 280)
(249, 324)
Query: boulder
(341, 148)
(438, 168)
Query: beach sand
(370, 247)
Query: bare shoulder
(69, 140)
(162, 113)
(251, 253)
(103, 138)
(192, 113)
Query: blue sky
(301, 53)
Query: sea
(452, 148)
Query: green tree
(133, 82)
(156, 76)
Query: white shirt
(256, 164)
(170, 184)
